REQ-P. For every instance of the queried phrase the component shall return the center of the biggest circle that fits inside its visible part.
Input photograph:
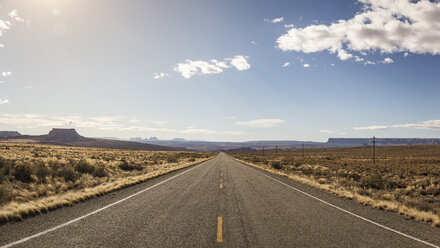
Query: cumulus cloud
(428, 125)
(286, 64)
(160, 75)
(261, 123)
(6, 73)
(3, 101)
(240, 63)
(277, 20)
(190, 68)
(385, 26)
(306, 65)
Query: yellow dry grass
(325, 174)
(39, 178)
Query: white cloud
(288, 25)
(343, 55)
(372, 128)
(369, 62)
(306, 65)
(254, 43)
(240, 63)
(190, 68)
(358, 59)
(261, 123)
(428, 125)
(405, 54)
(277, 20)
(387, 61)
(6, 73)
(384, 26)
(3, 101)
(160, 75)
(286, 64)
(325, 131)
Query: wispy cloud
(6, 73)
(387, 61)
(385, 26)
(3, 101)
(286, 64)
(306, 65)
(259, 123)
(427, 125)
(160, 75)
(325, 131)
(288, 25)
(277, 20)
(190, 68)
(14, 15)
(379, 127)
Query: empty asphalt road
(219, 203)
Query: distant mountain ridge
(69, 137)
(286, 144)
(383, 141)
(9, 133)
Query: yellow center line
(219, 230)
(221, 185)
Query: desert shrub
(6, 166)
(100, 172)
(5, 194)
(22, 172)
(42, 171)
(129, 167)
(371, 181)
(276, 165)
(172, 160)
(192, 160)
(84, 167)
(68, 173)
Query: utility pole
(374, 150)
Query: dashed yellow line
(219, 230)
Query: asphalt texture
(184, 208)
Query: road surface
(219, 203)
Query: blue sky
(213, 70)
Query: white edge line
(346, 211)
(96, 211)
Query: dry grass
(405, 179)
(38, 178)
